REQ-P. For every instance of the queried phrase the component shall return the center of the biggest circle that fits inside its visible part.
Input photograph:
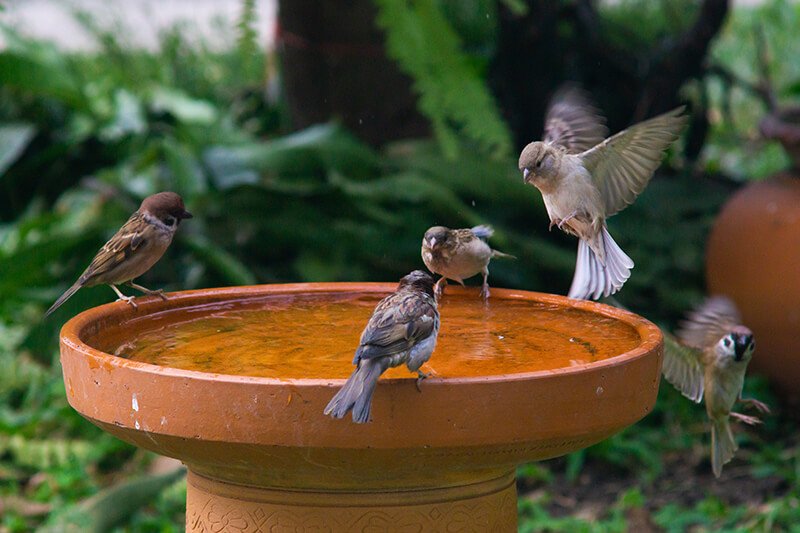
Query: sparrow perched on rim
(402, 329)
(459, 254)
(585, 179)
(708, 361)
(136, 247)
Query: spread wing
(484, 231)
(400, 321)
(573, 122)
(622, 165)
(683, 368)
(130, 236)
(709, 322)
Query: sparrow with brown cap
(585, 179)
(134, 249)
(707, 362)
(402, 329)
(458, 254)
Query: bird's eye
(169, 221)
(539, 163)
(727, 342)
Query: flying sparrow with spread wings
(459, 254)
(708, 361)
(585, 179)
(402, 329)
(136, 247)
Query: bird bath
(233, 383)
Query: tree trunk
(334, 66)
(565, 41)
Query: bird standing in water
(134, 249)
(708, 361)
(459, 254)
(585, 179)
(402, 329)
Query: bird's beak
(741, 346)
(525, 173)
(186, 214)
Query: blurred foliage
(656, 475)
(83, 138)
(113, 127)
(735, 146)
(635, 25)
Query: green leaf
(37, 78)
(233, 270)
(187, 174)
(111, 507)
(308, 152)
(182, 106)
(128, 117)
(517, 7)
(14, 138)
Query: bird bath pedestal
(512, 383)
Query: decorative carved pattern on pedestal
(415, 511)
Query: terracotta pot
(262, 457)
(753, 256)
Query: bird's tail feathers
(496, 254)
(592, 278)
(484, 231)
(64, 297)
(723, 445)
(356, 394)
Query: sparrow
(458, 254)
(585, 179)
(136, 247)
(402, 329)
(707, 361)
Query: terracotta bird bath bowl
(233, 383)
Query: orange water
(314, 336)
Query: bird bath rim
(73, 330)
(261, 450)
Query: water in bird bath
(315, 335)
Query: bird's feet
(749, 420)
(758, 405)
(128, 300)
(148, 292)
(485, 292)
(420, 376)
(159, 293)
(438, 288)
(565, 220)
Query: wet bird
(402, 329)
(458, 254)
(707, 361)
(585, 179)
(134, 249)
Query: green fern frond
(452, 94)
